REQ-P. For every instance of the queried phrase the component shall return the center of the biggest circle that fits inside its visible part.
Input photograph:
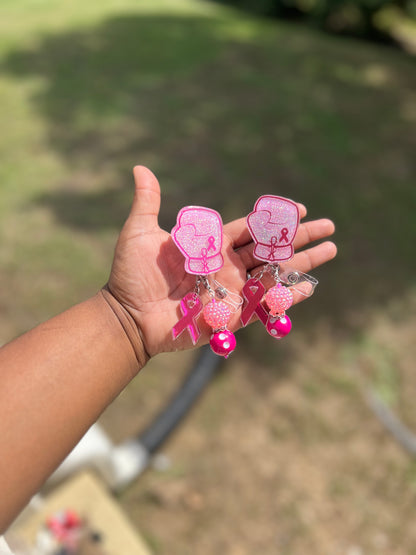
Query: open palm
(148, 277)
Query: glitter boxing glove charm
(198, 235)
(273, 225)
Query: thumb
(146, 202)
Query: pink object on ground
(64, 526)
(273, 225)
(198, 235)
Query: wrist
(130, 329)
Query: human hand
(148, 277)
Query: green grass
(212, 101)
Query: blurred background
(226, 101)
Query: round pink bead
(278, 299)
(223, 343)
(217, 314)
(279, 327)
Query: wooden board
(85, 494)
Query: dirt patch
(298, 465)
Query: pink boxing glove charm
(273, 225)
(198, 235)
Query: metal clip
(230, 297)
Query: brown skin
(56, 379)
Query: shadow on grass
(225, 109)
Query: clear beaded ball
(278, 299)
(217, 314)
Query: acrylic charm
(273, 225)
(198, 235)
(277, 299)
(191, 306)
(253, 292)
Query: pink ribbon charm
(283, 236)
(273, 247)
(191, 306)
(211, 243)
(253, 292)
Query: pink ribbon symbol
(253, 292)
(273, 247)
(204, 253)
(211, 243)
(204, 259)
(191, 306)
(283, 236)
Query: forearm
(54, 383)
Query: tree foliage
(357, 17)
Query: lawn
(282, 455)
